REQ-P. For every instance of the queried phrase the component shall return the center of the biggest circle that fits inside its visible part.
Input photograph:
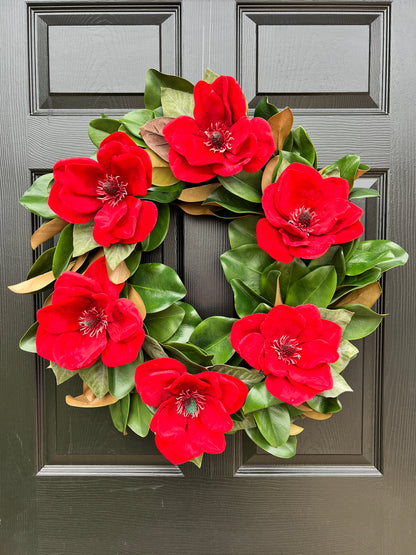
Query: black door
(69, 482)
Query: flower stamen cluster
(112, 189)
(219, 137)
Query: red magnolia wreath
(303, 281)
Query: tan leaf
(281, 125)
(304, 408)
(136, 299)
(120, 274)
(197, 209)
(78, 262)
(152, 134)
(47, 231)
(88, 400)
(278, 300)
(366, 295)
(47, 302)
(295, 430)
(162, 175)
(314, 415)
(34, 284)
(321, 171)
(198, 194)
(359, 173)
(268, 172)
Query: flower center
(287, 349)
(111, 189)
(190, 403)
(303, 218)
(92, 322)
(219, 137)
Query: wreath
(303, 280)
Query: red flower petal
(168, 422)
(75, 350)
(265, 144)
(270, 240)
(45, 343)
(115, 144)
(283, 320)
(73, 284)
(184, 171)
(274, 365)
(209, 440)
(179, 451)
(64, 316)
(188, 382)
(133, 171)
(349, 233)
(318, 378)
(209, 103)
(299, 185)
(146, 221)
(331, 333)
(98, 272)
(241, 328)
(125, 320)
(316, 352)
(313, 330)
(229, 390)
(118, 353)
(283, 389)
(250, 348)
(153, 377)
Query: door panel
(70, 482)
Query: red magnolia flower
(105, 191)
(220, 139)
(306, 214)
(293, 347)
(86, 319)
(194, 410)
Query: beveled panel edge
(376, 102)
(324, 471)
(113, 103)
(109, 470)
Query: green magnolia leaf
(164, 195)
(247, 263)
(249, 377)
(381, 253)
(139, 416)
(83, 239)
(133, 260)
(349, 248)
(158, 285)
(268, 283)
(364, 321)
(176, 103)
(121, 378)
(96, 377)
(61, 374)
(244, 185)
(339, 316)
(210, 76)
(43, 264)
(155, 80)
(245, 299)
(35, 199)
(247, 422)
(264, 109)
(190, 365)
(152, 348)
(242, 231)
(162, 325)
(358, 192)
(274, 424)
(347, 351)
(317, 287)
(138, 141)
(114, 254)
(28, 341)
(233, 202)
(339, 386)
(194, 353)
(213, 335)
(263, 308)
(334, 256)
(159, 232)
(303, 146)
(347, 167)
(63, 251)
(285, 451)
(259, 398)
(285, 159)
(120, 412)
(350, 283)
(289, 273)
(189, 323)
(197, 461)
(134, 120)
(325, 405)
(100, 128)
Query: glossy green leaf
(152, 348)
(189, 323)
(339, 316)
(121, 378)
(242, 231)
(285, 159)
(259, 398)
(232, 202)
(197, 461)
(380, 253)
(339, 386)
(358, 192)
(114, 254)
(262, 308)
(190, 365)
(347, 166)
(28, 341)
(176, 103)
(155, 80)
(194, 353)
(133, 260)
(274, 424)
(347, 352)
(210, 76)
(364, 321)
(317, 287)
(62, 374)
(120, 413)
(303, 146)
(164, 194)
(268, 283)
(158, 285)
(289, 274)
(134, 120)
(134, 138)
(35, 199)
(249, 377)
(159, 232)
(325, 405)
(350, 283)
(43, 264)
(162, 325)
(245, 299)
(265, 109)
(100, 128)
(349, 248)
(334, 256)
(285, 451)
(247, 263)
(139, 416)
(63, 251)
(244, 185)
(213, 335)
(96, 377)
(247, 422)
(83, 239)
